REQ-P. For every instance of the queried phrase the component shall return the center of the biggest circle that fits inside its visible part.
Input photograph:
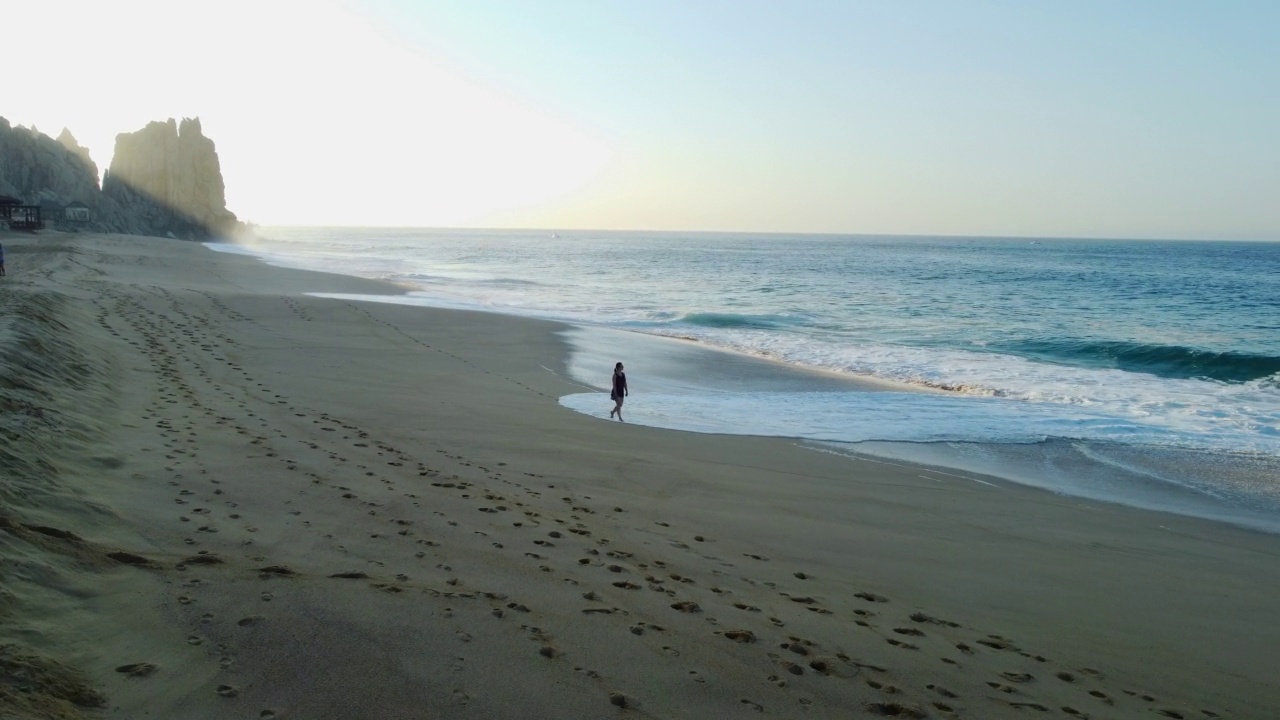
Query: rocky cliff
(34, 166)
(170, 173)
(163, 180)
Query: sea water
(1145, 372)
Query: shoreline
(943, 430)
(396, 514)
(1078, 470)
(1009, 461)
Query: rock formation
(68, 141)
(171, 174)
(164, 180)
(34, 166)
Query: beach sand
(223, 498)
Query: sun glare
(319, 115)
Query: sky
(1149, 118)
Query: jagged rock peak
(68, 141)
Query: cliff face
(171, 175)
(34, 166)
(164, 180)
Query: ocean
(1139, 372)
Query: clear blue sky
(1111, 118)
(1116, 119)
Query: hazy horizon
(712, 231)
(1151, 120)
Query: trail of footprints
(800, 641)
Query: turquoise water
(1149, 370)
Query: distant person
(619, 390)
(1, 261)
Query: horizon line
(1092, 238)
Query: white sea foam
(905, 417)
(1207, 414)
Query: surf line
(926, 477)
(569, 380)
(964, 477)
(907, 467)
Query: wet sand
(225, 498)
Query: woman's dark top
(619, 385)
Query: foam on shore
(1064, 449)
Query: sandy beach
(224, 498)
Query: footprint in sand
(922, 618)
(886, 689)
(995, 642)
(138, 670)
(796, 648)
(942, 691)
(822, 667)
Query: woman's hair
(617, 366)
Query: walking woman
(619, 390)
